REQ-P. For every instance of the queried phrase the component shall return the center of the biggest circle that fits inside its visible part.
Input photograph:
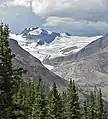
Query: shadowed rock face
(94, 47)
(39, 35)
(88, 67)
(34, 67)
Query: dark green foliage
(73, 102)
(85, 110)
(5, 74)
(65, 103)
(92, 106)
(9, 78)
(56, 107)
(100, 105)
(40, 110)
(102, 114)
(19, 98)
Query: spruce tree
(19, 98)
(56, 107)
(31, 94)
(92, 106)
(100, 105)
(64, 102)
(73, 102)
(39, 105)
(85, 115)
(6, 74)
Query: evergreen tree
(6, 74)
(56, 107)
(85, 115)
(100, 105)
(39, 105)
(87, 105)
(64, 102)
(105, 115)
(31, 94)
(19, 96)
(92, 106)
(73, 104)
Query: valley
(84, 59)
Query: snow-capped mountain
(84, 59)
(46, 45)
(39, 35)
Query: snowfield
(60, 46)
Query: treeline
(20, 99)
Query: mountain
(51, 48)
(88, 67)
(39, 35)
(36, 70)
(84, 59)
(34, 67)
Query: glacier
(44, 44)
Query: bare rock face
(88, 67)
(34, 67)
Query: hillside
(34, 67)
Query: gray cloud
(2, 1)
(77, 9)
(78, 15)
(83, 17)
(76, 27)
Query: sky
(77, 17)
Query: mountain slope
(94, 47)
(90, 68)
(34, 67)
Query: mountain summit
(40, 35)
(50, 47)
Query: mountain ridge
(90, 68)
(60, 48)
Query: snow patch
(36, 32)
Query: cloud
(25, 3)
(77, 26)
(76, 16)
(4, 2)
(50, 7)
(78, 9)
